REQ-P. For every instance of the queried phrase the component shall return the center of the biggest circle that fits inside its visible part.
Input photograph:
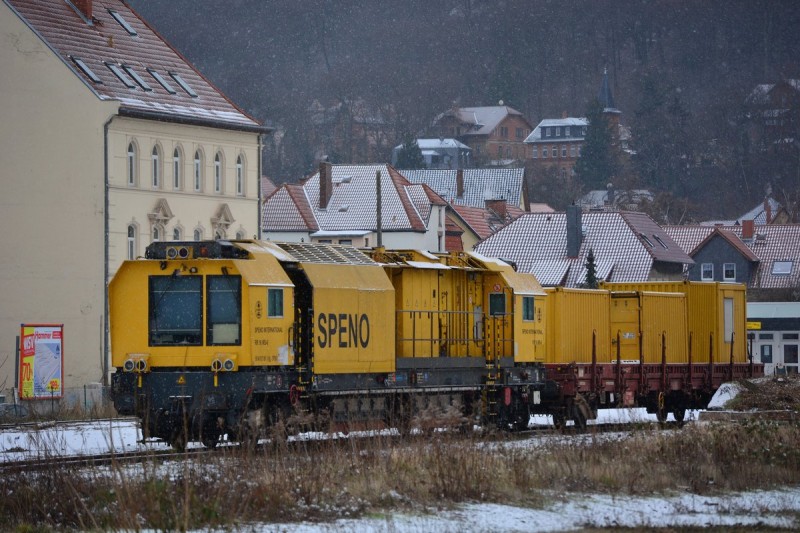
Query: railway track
(49, 460)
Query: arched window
(156, 233)
(176, 234)
(131, 242)
(218, 235)
(176, 169)
(198, 235)
(156, 159)
(239, 176)
(240, 235)
(131, 164)
(217, 173)
(198, 171)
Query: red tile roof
(104, 42)
(485, 222)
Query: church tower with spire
(606, 99)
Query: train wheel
(210, 439)
(579, 418)
(559, 421)
(178, 440)
(661, 409)
(679, 413)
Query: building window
(781, 268)
(176, 234)
(198, 235)
(240, 235)
(707, 271)
(527, 308)
(131, 242)
(519, 133)
(503, 132)
(555, 151)
(549, 132)
(217, 173)
(535, 152)
(176, 169)
(583, 131)
(544, 152)
(572, 150)
(239, 176)
(156, 171)
(499, 151)
(729, 272)
(198, 171)
(274, 303)
(348, 242)
(156, 233)
(131, 164)
(566, 131)
(564, 150)
(219, 235)
(579, 151)
(766, 353)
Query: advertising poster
(41, 364)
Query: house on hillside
(771, 269)
(627, 246)
(495, 134)
(474, 186)
(557, 142)
(351, 131)
(612, 199)
(769, 211)
(110, 140)
(440, 153)
(773, 110)
(338, 205)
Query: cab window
(274, 303)
(527, 308)
(497, 304)
(224, 323)
(176, 310)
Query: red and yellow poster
(41, 364)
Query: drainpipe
(258, 181)
(106, 333)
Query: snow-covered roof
(480, 184)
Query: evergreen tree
(591, 271)
(599, 162)
(410, 156)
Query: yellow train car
(578, 324)
(716, 317)
(186, 311)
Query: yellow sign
(182, 380)
(753, 325)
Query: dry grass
(773, 393)
(326, 479)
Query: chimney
(498, 206)
(325, 184)
(574, 230)
(85, 7)
(564, 114)
(767, 210)
(748, 229)
(610, 196)
(460, 183)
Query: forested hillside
(680, 72)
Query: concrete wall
(52, 204)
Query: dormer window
(646, 240)
(160, 79)
(548, 132)
(135, 75)
(185, 86)
(86, 70)
(781, 268)
(566, 131)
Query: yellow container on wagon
(663, 327)
(716, 313)
(354, 323)
(516, 312)
(578, 319)
(197, 312)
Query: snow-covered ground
(568, 511)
